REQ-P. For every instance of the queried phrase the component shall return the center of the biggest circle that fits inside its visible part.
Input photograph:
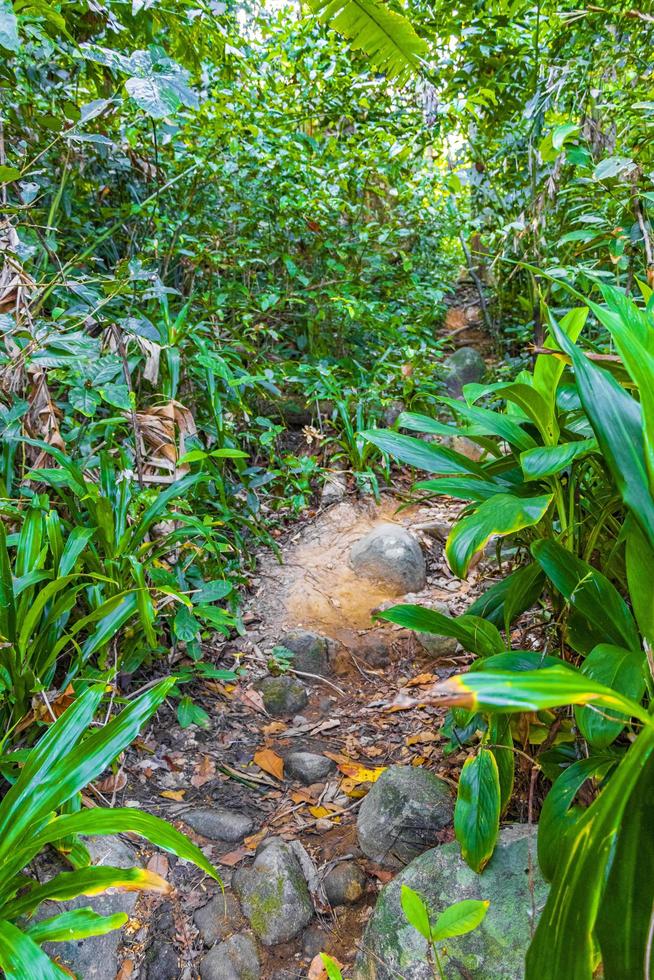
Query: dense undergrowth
(227, 241)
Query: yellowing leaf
(320, 811)
(174, 794)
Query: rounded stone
(464, 366)
(512, 885)
(310, 651)
(308, 767)
(392, 557)
(283, 696)
(402, 813)
(218, 919)
(344, 884)
(161, 961)
(218, 823)
(235, 959)
(273, 893)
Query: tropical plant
(39, 809)
(600, 904)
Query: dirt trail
(175, 773)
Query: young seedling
(456, 920)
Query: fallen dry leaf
(204, 772)
(252, 699)
(274, 728)
(173, 794)
(420, 738)
(159, 864)
(113, 783)
(233, 858)
(422, 679)
(126, 970)
(253, 841)
(270, 762)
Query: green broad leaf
(472, 632)
(548, 460)
(529, 399)
(501, 745)
(416, 911)
(507, 691)
(117, 395)
(459, 919)
(86, 881)
(631, 331)
(549, 368)
(501, 515)
(227, 453)
(621, 670)
(558, 815)
(624, 916)
(562, 133)
(639, 556)
(492, 423)
(503, 602)
(7, 174)
(617, 421)
(422, 455)
(84, 400)
(189, 713)
(9, 40)
(118, 821)
(76, 924)
(463, 488)
(213, 591)
(385, 36)
(423, 423)
(157, 84)
(517, 660)
(564, 943)
(185, 626)
(21, 957)
(76, 542)
(57, 768)
(7, 598)
(477, 809)
(612, 167)
(589, 592)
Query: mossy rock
(273, 894)
(496, 950)
(282, 696)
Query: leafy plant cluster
(566, 477)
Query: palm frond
(387, 38)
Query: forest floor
(354, 716)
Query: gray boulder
(400, 816)
(96, 958)
(496, 950)
(283, 696)
(391, 556)
(308, 767)
(310, 651)
(273, 893)
(235, 959)
(465, 366)
(219, 823)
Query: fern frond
(387, 38)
